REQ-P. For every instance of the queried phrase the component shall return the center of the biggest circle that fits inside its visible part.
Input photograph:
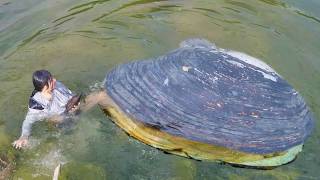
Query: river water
(79, 41)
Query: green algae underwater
(80, 41)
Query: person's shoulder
(60, 87)
(59, 84)
(35, 105)
(38, 102)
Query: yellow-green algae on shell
(192, 149)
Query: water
(79, 41)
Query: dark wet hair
(40, 79)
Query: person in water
(47, 101)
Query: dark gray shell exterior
(211, 95)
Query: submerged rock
(204, 102)
(6, 164)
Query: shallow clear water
(79, 41)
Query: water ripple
(81, 8)
(297, 11)
(29, 39)
(62, 22)
(273, 2)
(73, 13)
(242, 5)
(141, 2)
(208, 10)
(301, 13)
(232, 9)
(90, 4)
(5, 4)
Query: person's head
(43, 81)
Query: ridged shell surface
(215, 96)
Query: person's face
(51, 85)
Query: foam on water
(33, 143)
(97, 86)
(51, 159)
(197, 42)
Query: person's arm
(95, 98)
(32, 116)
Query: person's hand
(20, 143)
(75, 108)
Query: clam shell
(213, 96)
